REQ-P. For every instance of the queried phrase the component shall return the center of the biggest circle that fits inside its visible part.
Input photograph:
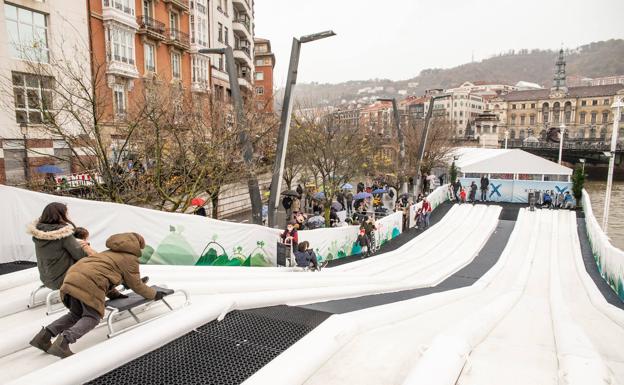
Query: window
(176, 63)
(593, 117)
(594, 102)
(513, 120)
(545, 112)
(126, 6)
(522, 120)
(523, 106)
(583, 103)
(259, 62)
(567, 112)
(220, 63)
(259, 90)
(148, 8)
(150, 58)
(529, 176)
(532, 105)
(556, 112)
(259, 76)
(220, 32)
(200, 70)
(513, 106)
(605, 102)
(582, 118)
(501, 176)
(32, 97)
(121, 45)
(27, 34)
(605, 117)
(581, 133)
(532, 119)
(226, 36)
(119, 99)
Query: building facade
(231, 23)
(264, 62)
(34, 35)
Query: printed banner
(515, 191)
(437, 197)
(610, 259)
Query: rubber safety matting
(226, 352)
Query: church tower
(559, 81)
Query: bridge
(592, 150)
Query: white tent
(500, 161)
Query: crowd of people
(67, 262)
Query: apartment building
(34, 33)
(460, 107)
(231, 23)
(264, 61)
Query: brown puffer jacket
(90, 278)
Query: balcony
(121, 67)
(180, 4)
(115, 10)
(245, 82)
(151, 27)
(242, 54)
(200, 86)
(178, 39)
(242, 5)
(242, 26)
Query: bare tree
(438, 146)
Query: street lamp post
(423, 143)
(24, 131)
(506, 138)
(401, 137)
(243, 139)
(282, 138)
(562, 129)
(582, 160)
(617, 105)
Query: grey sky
(397, 38)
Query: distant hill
(597, 59)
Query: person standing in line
(485, 184)
(456, 189)
(426, 212)
(473, 192)
(296, 206)
(349, 199)
(287, 204)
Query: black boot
(43, 340)
(60, 347)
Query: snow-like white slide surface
(424, 261)
(534, 318)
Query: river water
(596, 192)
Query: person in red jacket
(426, 211)
(289, 235)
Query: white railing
(610, 259)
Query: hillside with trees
(596, 59)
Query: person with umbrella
(316, 222)
(199, 203)
(287, 201)
(349, 201)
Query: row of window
(594, 102)
(567, 117)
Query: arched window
(605, 117)
(581, 133)
(567, 112)
(512, 134)
(603, 133)
(545, 112)
(556, 112)
(494, 129)
(513, 119)
(496, 106)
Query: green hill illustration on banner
(174, 249)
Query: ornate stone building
(584, 111)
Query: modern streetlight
(423, 143)
(582, 160)
(24, 131)
(243, 139)
(562, 129)
(282, 138)
(401, 137)
(617, 105)
(506, 138)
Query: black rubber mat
(226, 352)
(10, 267)
(486, 258)
(592, 268)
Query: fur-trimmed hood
(47, 232)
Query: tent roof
(484, 160)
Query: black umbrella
(291, 193)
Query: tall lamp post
(243, 139)
(24, 131)
(562, 129)
(423, 143)
(401, 137)
(617, 105)
(282, 138)
(582, 160)
(506, 138)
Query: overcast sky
(396, 39)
